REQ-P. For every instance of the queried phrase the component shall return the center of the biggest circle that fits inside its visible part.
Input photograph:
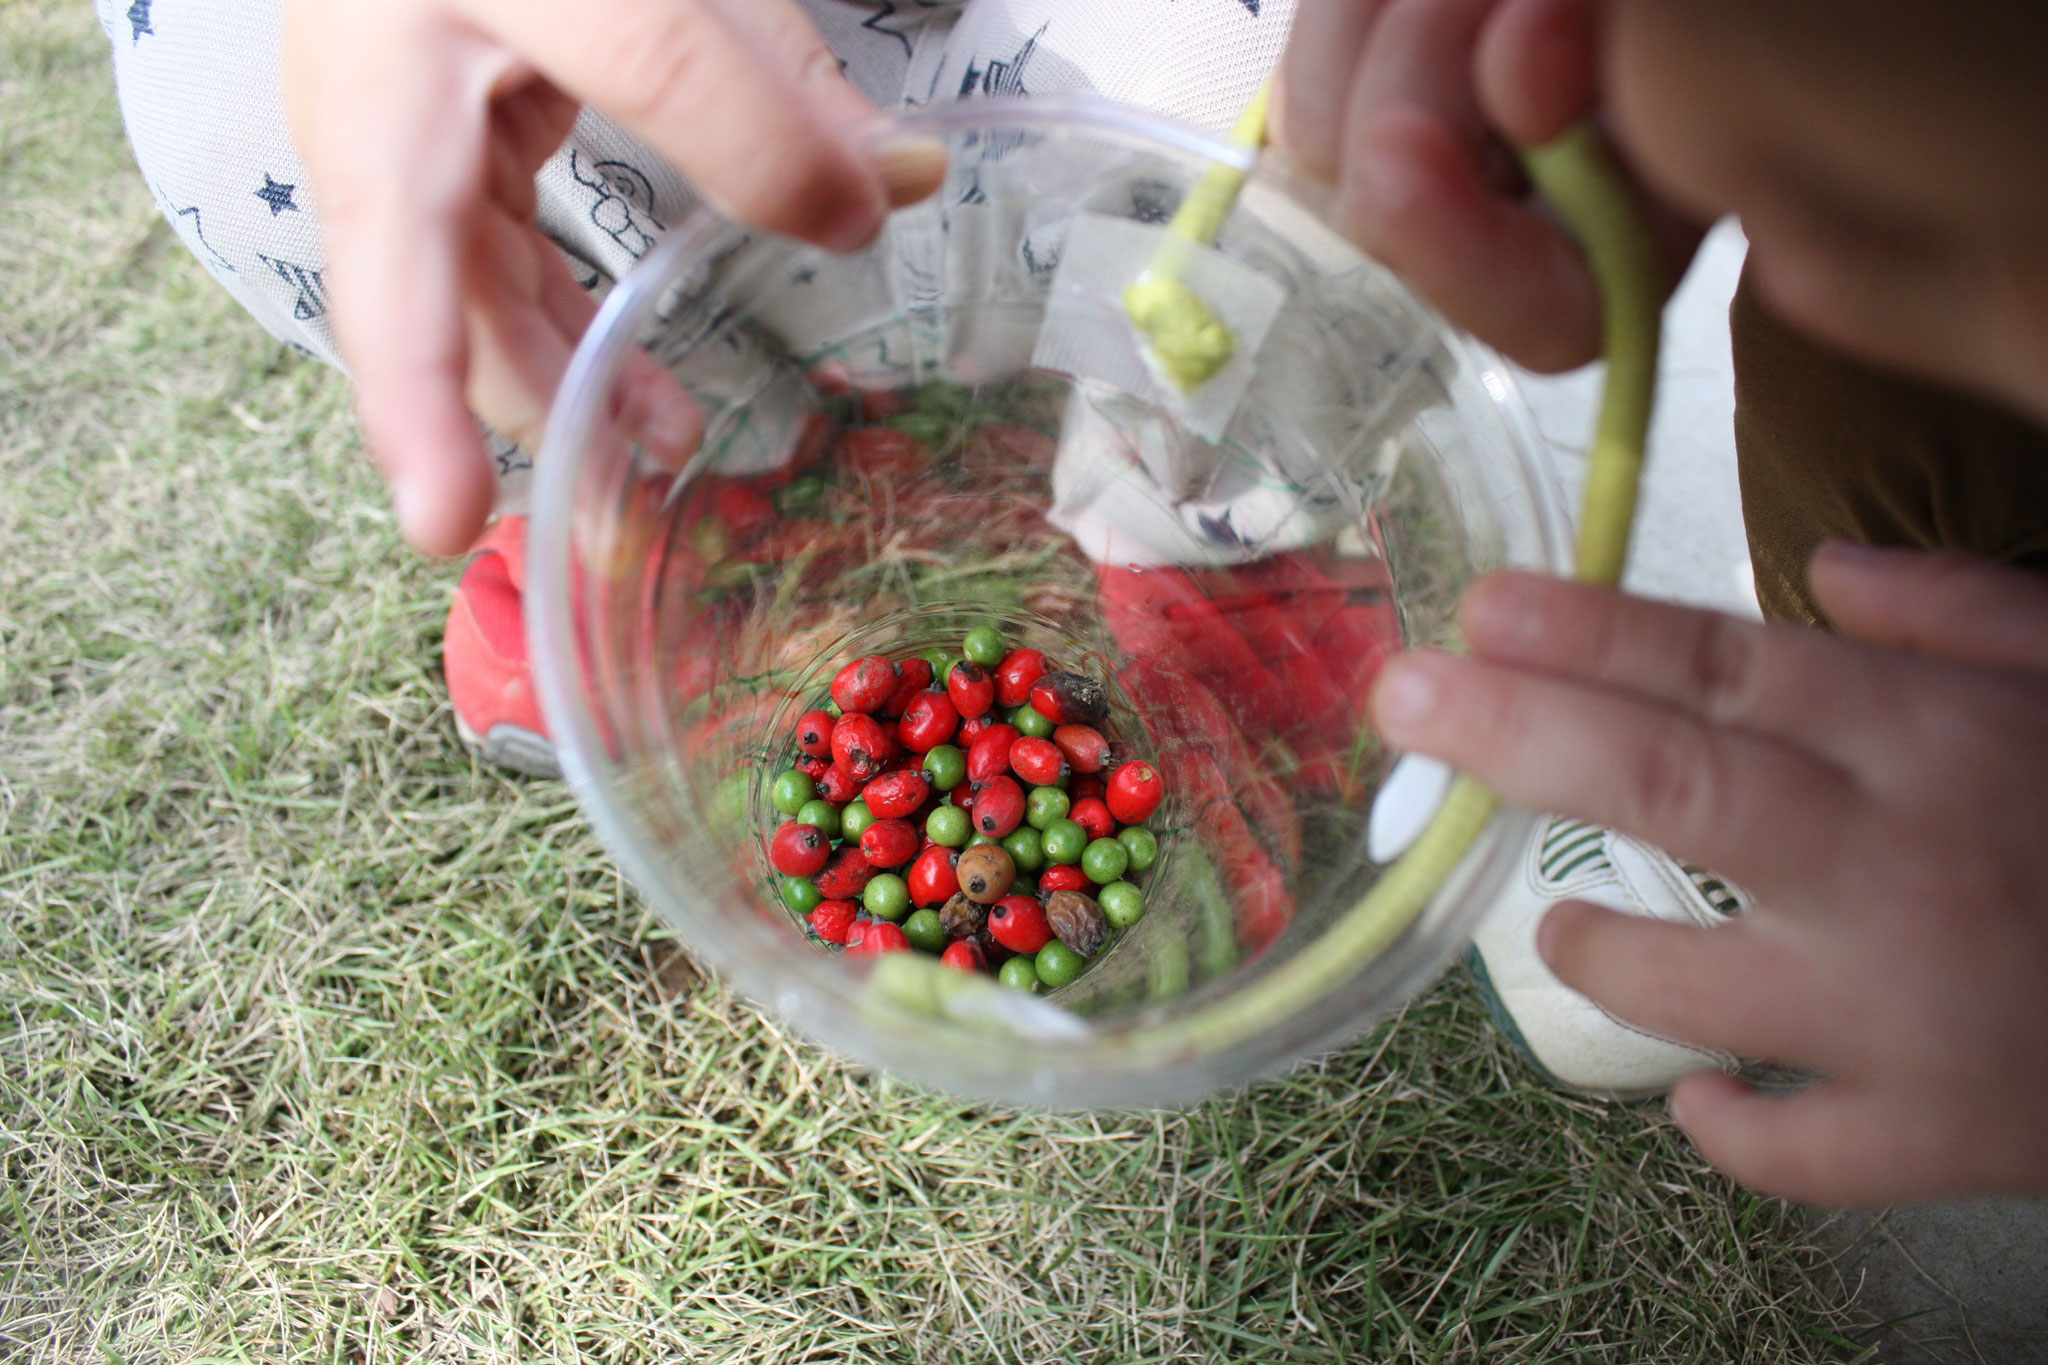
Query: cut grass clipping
(319, 1042)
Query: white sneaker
(1577, 1043)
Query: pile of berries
(966, 806)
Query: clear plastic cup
(959, 426)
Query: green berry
(1029, 722)
(1104, 861)
(942, 663)
(1046, 805)
(1020, 974)
(799, 895)
(791, 790)
(1025, 885)
(946, 766)
(1142, 845)
(854, 821)
(979, 839)
(800, 492)
(823, 814)
(887, 896)
(1025, 848)
(984, 645)
(924, 931)
(950, 826)
(1122, 904)
(1058, 964)
(1064, 841)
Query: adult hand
(1410, 107)
(422, 123)
(1882, 794)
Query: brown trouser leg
(1831, 448)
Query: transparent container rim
(550, 608)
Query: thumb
(1941, 603)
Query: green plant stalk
(1585, 187)
(1187, 338)
(1579, 178)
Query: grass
(319, 1042)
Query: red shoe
(490, 677)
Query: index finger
(395, 245)
(1765, 812)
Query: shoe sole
(512, 746)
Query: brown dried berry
(993, 952)
(985, 873)
(960, 917)
(1077, 922)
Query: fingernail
(1681, 1107)
(409, 505)
(1405, 698)
(1855, 552)
(911, 166)
(1377, 184)
(1500, 613)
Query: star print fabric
(201, 92)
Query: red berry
(1018, 923)
(845, 876)
(998, 807)
(864, 684)
(743, 506)
(1063, 877)
(971, 730)
(895, 795)
(838, 785)
(1092, 816)
(1068, 699)
(931, 878)
(1084, 785)
(1038, 761)
(963, 797)
(971, 688)
(1014, 675)
(965, 954)
(989, 756)
(860, 745)
(1084, 747)
(888, 843)
(912, 677)
(798, 850)
(832, 920)
(814, 733)
(876, 938)
(1135, 791)
(928, 720)
(813, 768)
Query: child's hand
(422, 123)
(1885, 796)
(1403, 104)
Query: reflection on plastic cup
(906, 443)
